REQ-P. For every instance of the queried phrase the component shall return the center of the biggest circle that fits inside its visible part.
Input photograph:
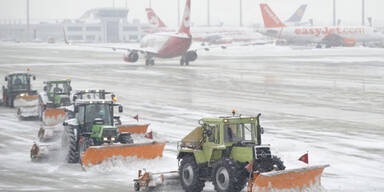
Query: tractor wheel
(189, 175)
(229, 176)
(11, 102)
(125, 138)
(277, 163)
(70, 142)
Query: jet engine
(131, 57)
(191, 55)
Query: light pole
(334, 12)
(241, 13)
(28, 20)
(362, 12)
(178, 12)
(208, 14)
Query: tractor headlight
(113, 139)
(105, 138)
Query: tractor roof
(230, 119)
(19, 73)
(57, 81)
(91, 91)
(86, 102)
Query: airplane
(329, 35)
(163, 44)
(210, 35)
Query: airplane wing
(146, 51)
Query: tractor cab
(232, 130)
(19, 81)
(96, 119)
(58, 92)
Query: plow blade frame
(97, 154)
(53, 116)
(135, 129)
(298, 179)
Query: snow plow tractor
(228, 152)
(93, 137)
(19, 94)
(56, 95)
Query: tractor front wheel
(125, 138)
(229, 176)
(189, 175)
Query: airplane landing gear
(149, 61)
(184, 61)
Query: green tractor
(93, 125)
(18, 84)
(56, 93)
(225, 151)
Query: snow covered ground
(328, 102)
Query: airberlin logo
(329, 30)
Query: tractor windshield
(101, 111)
(59, 88)
(239, 132)
(19, 82)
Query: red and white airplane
(165, 45)
(328, 35)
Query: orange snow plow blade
(97, 154)
(136, 129)
(300, 179)
(24, 100)
(53, 116)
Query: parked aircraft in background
(328, 35)
(164, 44)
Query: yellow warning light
(233, 112)
(28, 69)
(68, 79)
(114, 99)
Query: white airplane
(328, 35)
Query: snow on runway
(326, 101)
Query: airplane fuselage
(317, 33)
(166, 45)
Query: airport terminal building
(103, 25)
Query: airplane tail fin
(298, 15)
(186, 21)
(270, 18)
(153, 19)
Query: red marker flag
(136, 117)
(149, 135)
(304, 158)
(249, 167)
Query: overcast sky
(226, 11)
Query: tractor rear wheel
(189, 175)
(70, 143)
(229, 176)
